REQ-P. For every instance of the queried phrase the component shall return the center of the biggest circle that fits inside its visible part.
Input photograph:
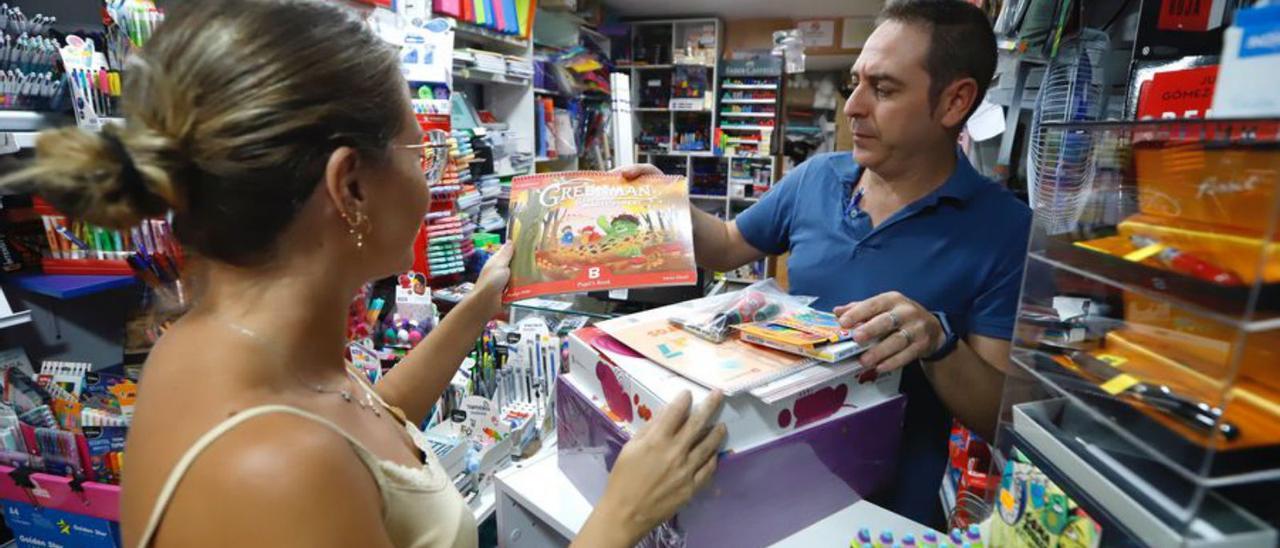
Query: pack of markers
(149, 250)
(66, 420)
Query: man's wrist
(949, 339)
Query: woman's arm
(416, 383)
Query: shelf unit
(18, 128)
(509, 98)
(679, 125)
(1145, 381)
(751, 95)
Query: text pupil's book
(591, 231)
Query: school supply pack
(67, 420)
(811, 333)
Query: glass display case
(1145, 387)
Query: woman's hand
(493, 280)
(658, 471)
(636, 171)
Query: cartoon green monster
(622, 227)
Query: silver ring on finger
(896, 322)
(907, 335)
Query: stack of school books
(808, 333)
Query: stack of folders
(504, 16)
(809, 333)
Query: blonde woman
(280, 134)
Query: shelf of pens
(149, 250)
(30, 78)
(510, 374)
(94, 78)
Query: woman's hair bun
(114, 178)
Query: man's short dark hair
(961, 44)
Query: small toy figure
(589, 235)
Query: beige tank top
(421, 507)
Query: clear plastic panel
(1150, 315)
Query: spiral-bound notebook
(731, 367)
(593, 231)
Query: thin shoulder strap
(188, 458)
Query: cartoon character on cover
(566, 236)
(623, 226)
(589, 235)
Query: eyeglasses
(434, 154)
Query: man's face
(889, 109)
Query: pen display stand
(1146, 357)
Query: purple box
(759, 496)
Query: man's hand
(636, 171)
(906, 331)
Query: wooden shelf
(748, 128)
(748, 114)
(749, 101)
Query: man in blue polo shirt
(902, 238)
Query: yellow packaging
(1201, 343)
(1253, 408)
(1184, 181)
(1232, 249)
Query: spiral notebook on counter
(731, 367)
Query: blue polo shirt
(959, 250)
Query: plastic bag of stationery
(712, 318)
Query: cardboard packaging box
(632, 389)
(759, 495)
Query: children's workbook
(731, 367)
(593, 231)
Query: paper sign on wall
(855, 31)
(818, 34)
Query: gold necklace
(368, 403)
